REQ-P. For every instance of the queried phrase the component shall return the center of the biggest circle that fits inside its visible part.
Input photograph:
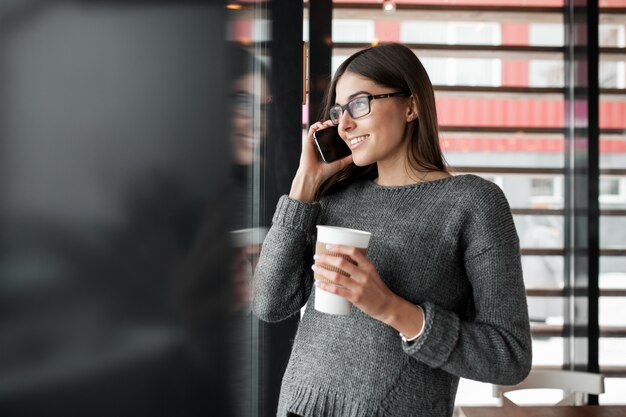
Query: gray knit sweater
(450, 246)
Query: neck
(400, 173)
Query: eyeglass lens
(357, 107)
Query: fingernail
(316, 257)
(314, 267)
(330, 246)
(316, 283)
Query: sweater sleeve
(495, 345)
(283, 278)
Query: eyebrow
(358, 93)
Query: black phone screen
(330, 145)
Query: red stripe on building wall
(613, 114)
(521, 144)
(512, 113)
(499, 112)
(387, 31)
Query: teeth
(356, 140)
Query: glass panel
(613, 275)
(612, 232)
(610, 187)
(612, 35)
(546, 34)
(336, 61)
(611, 312)
(612, 151)
(612, 348)
(114, 144)
(612, 74)
(545, 73)
(464, 71)
(451, 33)
(548, 310)
(613, 116)
(547, 351)
(614, 389)
(613, 69)
(463, 114)
(538, 231)
(476, 71)
(475, 393)
(490, 150)
(544, 189)
(355, 30)
(442, 71)
(425, 32)
(612, 195)
(517, 189)
(500, 111)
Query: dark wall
(113, 154)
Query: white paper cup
(324, 301)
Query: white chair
(575, 385)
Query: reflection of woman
(443, 267)
(214, 281)
(248, 105)
(249, 87)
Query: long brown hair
(394, 66)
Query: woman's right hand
(312, 171)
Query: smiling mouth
(358, 139)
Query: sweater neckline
(421, 184)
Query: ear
(411, 110)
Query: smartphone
(330, 145)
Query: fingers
(341, 285)
(335, 278)
(315, 127)
(357, 254)
(354, 268)
(343, 162)
(334, 289)
(319, 126)
(337, 262)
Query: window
(612, 73)
(425, 32)
(546, 34)
(450, 32)
(457, 71)
(548, 190)
(496, 179)
(353, 30)
(515, 135)
(612, 190)
(546, 73)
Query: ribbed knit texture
(449, 245)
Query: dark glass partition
(114, 280)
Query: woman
(440, 294)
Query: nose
(346, 123)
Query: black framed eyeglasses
(360, 106)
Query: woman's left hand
(364, 288)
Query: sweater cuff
(295, 214)
(439, 337)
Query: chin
(361, 161)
